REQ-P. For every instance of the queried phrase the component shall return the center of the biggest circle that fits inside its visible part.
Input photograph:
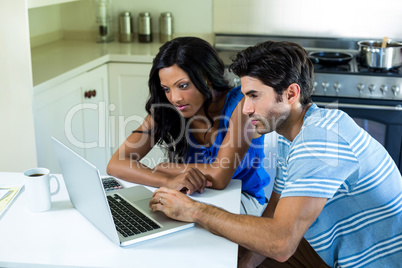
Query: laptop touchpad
(134, 193)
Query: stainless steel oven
(372, 97)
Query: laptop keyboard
(128, 220)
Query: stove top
(354, 67)
(339, 80)
(396, 72)
(341, 68)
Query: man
(336, 186)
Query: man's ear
(293, 93)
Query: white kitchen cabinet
(76, 113)
(128, 89)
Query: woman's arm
(125, 164)
(233, 148)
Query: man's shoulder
(326, 122)
(323, 116)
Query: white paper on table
(4, 193)
(7, 198)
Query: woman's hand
(189, 181)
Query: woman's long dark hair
(205, 69)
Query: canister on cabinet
(166, 27)
(144, 27)
(104, 21)
(126, 27)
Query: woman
(195, 115)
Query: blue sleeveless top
(250, 169)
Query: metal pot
(374, 56)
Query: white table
(63, 237)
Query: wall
(330, 18)
(335, 18)
(42, 30)
(76, 20)
(189, 15)
(18, 151)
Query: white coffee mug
(37, 187)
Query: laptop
(122, 215)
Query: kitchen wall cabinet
(76, 113)
(128, 87)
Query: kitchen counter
(59, 61)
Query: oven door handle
(360, 106)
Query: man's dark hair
(277, 64)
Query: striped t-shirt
(332, 157)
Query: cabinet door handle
(90, 93)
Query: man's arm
(276, 237)
(253, 259)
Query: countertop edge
(71, 74)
